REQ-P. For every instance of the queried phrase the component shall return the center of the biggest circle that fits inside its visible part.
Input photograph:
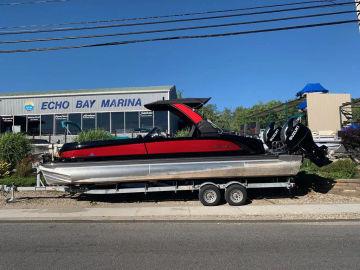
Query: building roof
(87, 91)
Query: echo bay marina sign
(89, 103)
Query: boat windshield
(155, 133)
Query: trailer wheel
(235, 194)
(209, 195)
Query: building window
(47, 124)
(20, 124)
(88, 121)
(103, 121)
(161, 120)
(117, 122)
(146, 120)
(176, 123)
(76, 119)
(33, 125)
(131, 121)
(59, 118)
(6, 123)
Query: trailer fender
(209, 183)
(233, 182)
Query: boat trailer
(211, 192)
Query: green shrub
(24, 167)
(19, 181)
(351, 140)
(4, 168)
(93, 135)
(183, 133)
(14, 147)
(343, 168)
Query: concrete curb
(346, 187)
(351, 180)
(317, 212)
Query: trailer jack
(9, 193)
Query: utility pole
(357, 8)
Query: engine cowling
(271, 136)
(298, 138)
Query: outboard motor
(298, 138)
(272, 138)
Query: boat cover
(181, 107)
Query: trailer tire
(209, 195)
(236, 195)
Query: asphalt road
(180, 246)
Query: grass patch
(339, 169)
(183, 133)
(93, 135)
(19, 181)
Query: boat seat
(192, 132)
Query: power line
(166, 16)
(171, 21)
(117, 43)
(33, 2)
(175, 29)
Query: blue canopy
(312, 88)
(352, 126)
(302, 105)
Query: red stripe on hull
(107, 151)
(190, 146)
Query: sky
(234, 71)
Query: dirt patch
(52, 199)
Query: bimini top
(163, 105)
(182, 107)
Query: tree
(225, 119)
(356, 114)
(236, 119)
(179, 94)
(210, 112)
(240, 117)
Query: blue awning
(302, 105)
(352, 126)
(312, 88)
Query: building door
(19, 124)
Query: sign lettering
(89, 104)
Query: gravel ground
(41, 199)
